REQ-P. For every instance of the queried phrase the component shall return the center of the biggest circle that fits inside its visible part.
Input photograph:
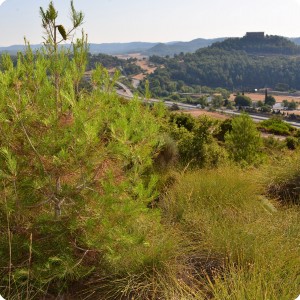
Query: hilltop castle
(255, 35)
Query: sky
(154, 20)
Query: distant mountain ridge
(105, 48)
(13, 49)
(146, 48)
(170, 49)
(120, 48)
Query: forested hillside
(269, 44)
(223, 66)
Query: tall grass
(246, 247)
(282, 179)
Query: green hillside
(269, 44)
(230, 64)
(105, 198)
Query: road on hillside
(124, 91)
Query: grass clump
(282, 180)
(246, 246)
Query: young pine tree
(244, 141)
(76, 173)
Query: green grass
(282, 179)
(247, 246)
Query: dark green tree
(260, 103)
(241, 100)
(285, 103)
(202, 101)
(217, 101)
(290, 105)
(183, 120)
(270, 100)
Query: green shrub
(292, 143)
(276, 126)
(197, 147)
(224, 127)
(183, 120)
(244, 141)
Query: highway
(126, 93)
(255, 118)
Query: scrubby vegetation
(104, 198)
(277, 126)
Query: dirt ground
(140, 77)
(278, 98)
(144, 64)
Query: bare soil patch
(140, 76)
(261, 97)
(144, 64)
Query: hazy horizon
(114, 21)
